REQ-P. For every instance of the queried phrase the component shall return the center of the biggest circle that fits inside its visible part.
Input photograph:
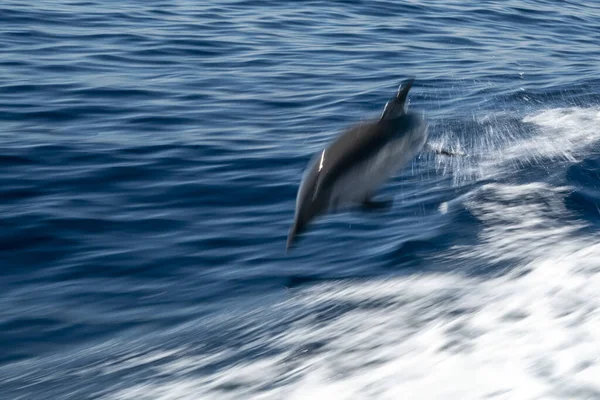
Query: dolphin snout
(291, 236)
(296, 229)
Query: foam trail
(528, 334)
(500, 145)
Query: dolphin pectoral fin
(377, 205)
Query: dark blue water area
(151, 152)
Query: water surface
(151, 152)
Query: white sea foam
(559, 135)
(525, 336)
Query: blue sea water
(150, 155)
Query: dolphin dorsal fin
(397, 105)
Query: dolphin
(350, 169)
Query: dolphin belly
(361, 181)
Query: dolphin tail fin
(397, 105)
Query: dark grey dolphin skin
(358, 162)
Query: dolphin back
(397, 106)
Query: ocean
(150, 156)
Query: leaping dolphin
(350, 170)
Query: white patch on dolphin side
(322, 158)
(316, 189)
